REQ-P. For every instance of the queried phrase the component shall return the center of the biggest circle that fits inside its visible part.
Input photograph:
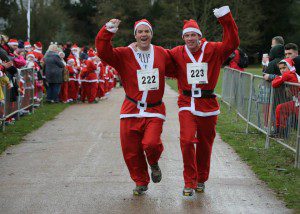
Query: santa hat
(27, 44)
(38, 45)
(91, 53)
(290, 64)
(70, 60)
(74, 47)
(191, 26)
(142, 22)
(30, 54)
(13, 42)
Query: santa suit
(140, 125)
(38, 54)
(284, 110)
(106, 79)
(73, 86)
(198, 115)
(91, 81)
(101, 78)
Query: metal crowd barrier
(272, 111)
(24, 101)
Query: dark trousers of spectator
(53, 90)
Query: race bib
(148, 79)
(197, 73)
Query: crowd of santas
(85, 76)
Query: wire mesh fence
(18, 100)
(273, 111)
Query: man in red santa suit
(38, 48)
(143, 112)
(198, 64)
(75, 55)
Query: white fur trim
(32, 55)
(191, 29)
(200, 113)
(111, 27)
(222, 11)
(142, 23)
(143, 114)
(39, 48)
(291, 68)
(27, 46)
(12, 43)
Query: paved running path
(74, 164)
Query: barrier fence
(15, 106)
(272, 111)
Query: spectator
(277, 40)
(67, 50)
(284, 110)
(27, 46)
(239, 60)
(84, 54)
(277, 53)
(38, 51)
(63, 94)
(4, 81)
(53, 71)
(291, 51)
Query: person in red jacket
(73, 86)
(234, 63)
(38, 51)
(284, 110)
(198, 64)
(143, 111)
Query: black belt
(204, 93)
(141, 104)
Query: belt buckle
(196, 92)
(141, 105)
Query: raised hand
(113, 25)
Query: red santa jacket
(88, 73)
(38, 55)
(288, 76)
(123, 59)
(214, 54)
(76, 60)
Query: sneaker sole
(188, 193)
(136, 193)
(156, 179)
(199, 190)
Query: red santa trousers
(140, 136)
(196, 158)
(92, 88)
(83, 91)
(101, 90)
(73, 90)
(63, 94)
(283, 111)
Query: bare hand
(266, 77)
(7, 64)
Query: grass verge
(274, 166)
(14, 133)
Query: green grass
(14, 134)
(274, 166)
